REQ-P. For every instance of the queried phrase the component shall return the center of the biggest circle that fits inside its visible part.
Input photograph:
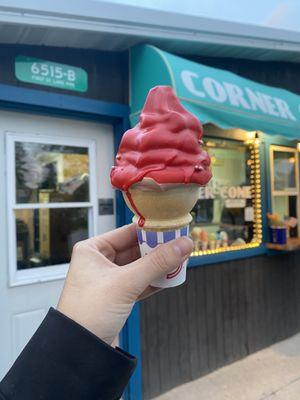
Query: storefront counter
(292, 244)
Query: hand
(106, 277)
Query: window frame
(237, 135)
(54, 272)
(288, 193)
(283, 149)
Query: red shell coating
(164, 145)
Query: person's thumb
(162, 260)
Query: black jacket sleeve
(64, 361)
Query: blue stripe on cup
(184, 231)
(169, 235)
(151, 239)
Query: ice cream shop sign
(215, 96)
(225, 192)
(237, 96)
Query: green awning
(215, 96)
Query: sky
(276, 13)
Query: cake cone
(161, 207)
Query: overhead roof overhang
(106, 26)
(215, 96)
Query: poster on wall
(47, 73)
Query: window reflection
(284, 170)
(224, 214)
(46, 236)
(47, 173)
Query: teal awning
(215, 96)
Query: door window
(51, 200)
(284, 184)
(48, 173)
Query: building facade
(68, 91)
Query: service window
(51, 204)
(285, 184)
(227, 215)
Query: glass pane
(224, 216)
(47, 173)
(284, 170)
(285, 207)
(46, 236)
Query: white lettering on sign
(283, 109)
(215, 90)
(244, 192)
(187, 78)
(237, 96)
(271, 107)
(256, 100)
(225, 192)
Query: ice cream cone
(160, 166)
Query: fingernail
(184, 246)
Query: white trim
(54, 272)
(34, 275)
(39, 138)
(34, 206)
(93, 216)
(292, 192)
(284, 149)
(11, 196)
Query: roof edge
(129, 20)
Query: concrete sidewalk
(270, 374)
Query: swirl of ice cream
(165, 145)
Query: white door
(53, 171)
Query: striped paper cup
(149, 240)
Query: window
(227, 215)
(51, 201)
(285, 183)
